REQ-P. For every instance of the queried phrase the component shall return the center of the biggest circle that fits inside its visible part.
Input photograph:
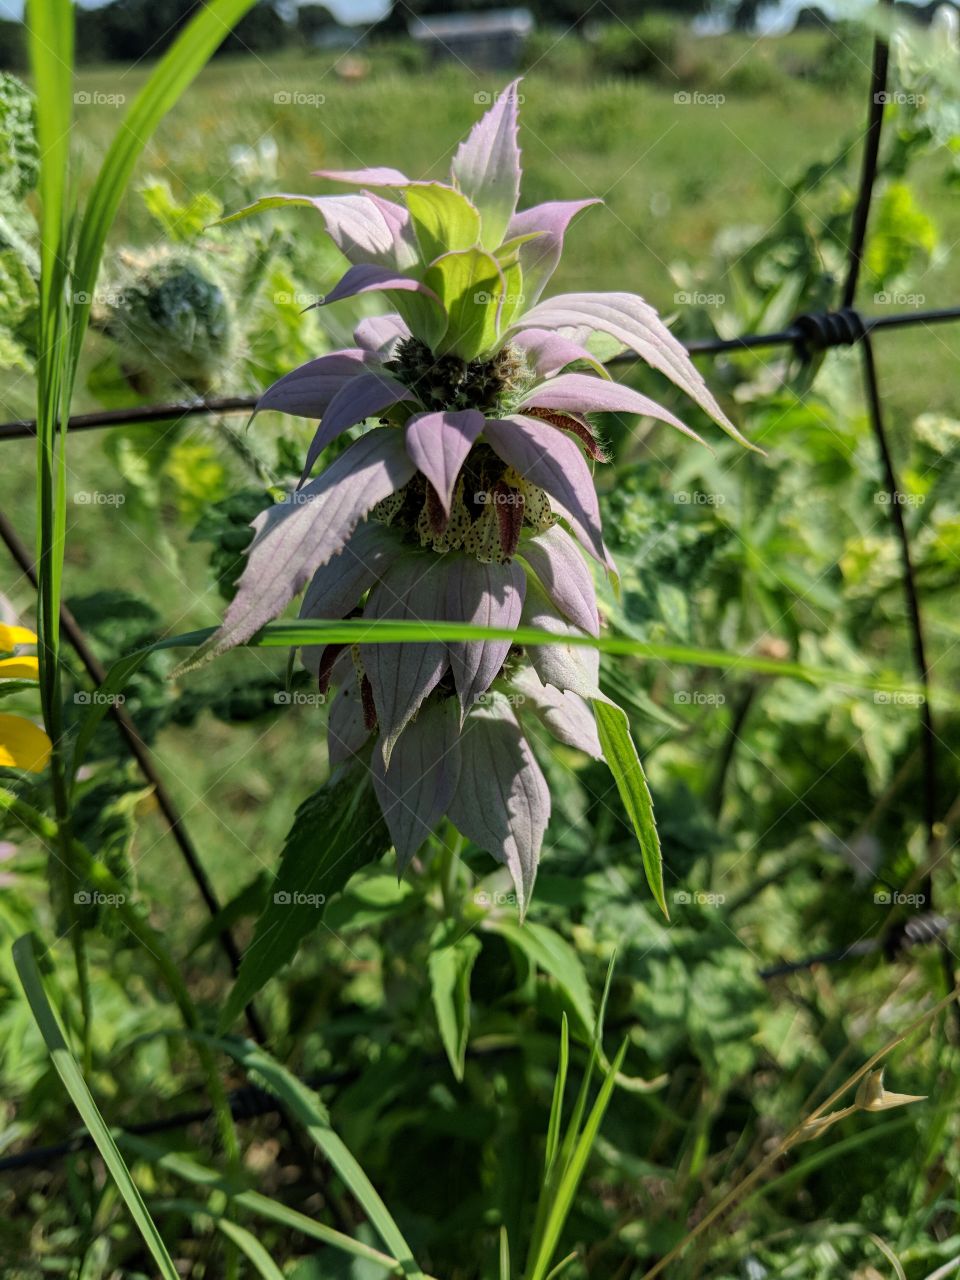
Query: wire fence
(809, 334)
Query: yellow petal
(23, 668)
(10, 637)
(22, 744)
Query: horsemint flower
(469, 502)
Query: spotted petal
(357, 400)
(502, 802)
(487, 595)
(416, 788)
(439, 443)
(549, 458)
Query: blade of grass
(251, 1248)
(504, 1254)
(561, 1200)
(305, 1106)
(183, 1167)
(69, 1072)
(556, 1104)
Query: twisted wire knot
(820, 330)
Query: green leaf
(621, 755)
(69, 1072)
(450, 964)
(471, 287)
(556, 1104)
(273, 1210)
(335, 831)
(545, 948)
(303, 1105)
(443, 219)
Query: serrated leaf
(450, 964)
(624, 762)
(335, 831)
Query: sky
(348, 11)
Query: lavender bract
(473, 501)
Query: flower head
(471, 501)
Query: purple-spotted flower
(472, 500)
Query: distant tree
(263, 30)
(313, 20)
(13, 47)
